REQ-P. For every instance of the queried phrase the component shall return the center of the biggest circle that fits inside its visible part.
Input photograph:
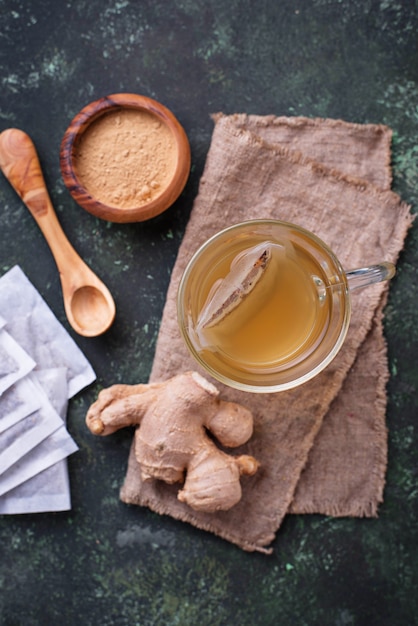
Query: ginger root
(172, 441)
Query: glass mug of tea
(265, 306)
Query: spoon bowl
(88, 303)
(90, 309)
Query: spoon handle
(20, 164)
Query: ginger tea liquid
(263, 306)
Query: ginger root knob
(173, 419)
(96, 426)
(248, 465)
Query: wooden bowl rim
(82, 121)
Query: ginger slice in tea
(227, 293)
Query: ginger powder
(126, 158)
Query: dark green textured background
(109, 564)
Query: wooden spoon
(89, 306)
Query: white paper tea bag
(27, 433)
(15, 363)
(33, 325)
(50, 489)
(34, 441)
(19, 401)
(47, 454)
(50, 450)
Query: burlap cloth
(333, 178)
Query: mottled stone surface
(109, 564)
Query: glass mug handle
(364, 276)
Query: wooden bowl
(125, 158)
